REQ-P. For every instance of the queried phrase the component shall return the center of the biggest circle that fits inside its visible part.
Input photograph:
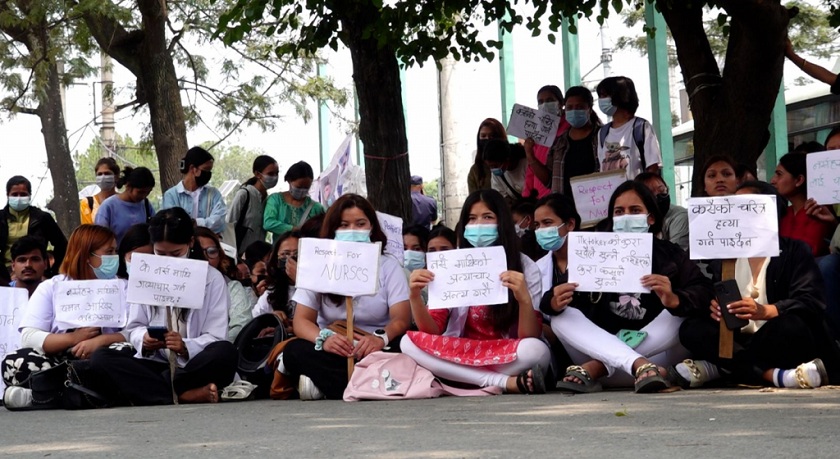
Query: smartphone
(157, 332)
(728, 292)
(632, 338)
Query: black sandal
(649, 384)
(537, 380)
(588, 384)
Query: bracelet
(322, 337)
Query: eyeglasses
(211, 252)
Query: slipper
(588, 385)
(649, 384)
(804, 381)
(238, 392)
(537, 380)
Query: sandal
(588, 385)
(801, 375)
(698, 375)
(537, 380)
(649, 384)
(238, 391)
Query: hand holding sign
(338, 267)
(610, 262)
(167, 281)
(90, 303)
(467, 277)
(739, 226)
(528, 123)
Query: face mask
(577, 118)
(108, 268)
(270, 181)
(19, 203)
(498, 172)
(663, 201)
(298, 193)
(127, 266)
(204, 178)
(414, 260)
(106, 182)
(637, 223)
(606, 106)
(481, 144)
(519, 231)
(549, 238)
(352, 235)
(481, 235)
(550, 107)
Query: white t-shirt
(195, 196)
(516, 179)
(370, 312)
(619, 150)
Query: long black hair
(647, 199)
(503, 316)
(277, 281)
(261, 162)
(137, 236)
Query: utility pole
(606, 50)
(454, 167)
(107, 130)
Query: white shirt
(744, 277)
(620, 143)
(370, 312)
(195, 195)
(516, 179)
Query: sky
(476, 87)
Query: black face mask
(481, 144)
(204, 178)
(663, 201)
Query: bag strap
(90, 203)
(504, 180)
(602, 134)
(639, 139)
(306, 213)
(146, 206)
(241, 219)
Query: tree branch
(115, 40)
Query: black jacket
(41, 224)
(687, 282)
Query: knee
(224, 352)
(694, 332)
(103, 357)
(533, 351)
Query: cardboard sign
(527, 123)
(467, 277)
(737, 226)
(12, 303)
(338, 267)
(393, 226)
(90, 303)
(592, 194)
(167, 281)
(610, 262)
(823, 172)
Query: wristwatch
(380, 333)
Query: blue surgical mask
(498, 171)
(414, 259)
(108, 268)
(352, 235)
(549, 238)
(19, 203)
(606, 106)
(577, 118)
(127, 267)
(481, 235)
(552, 107)
(637, 223)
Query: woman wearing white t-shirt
(627, 142)
(319, 357)
(507, 165)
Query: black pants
(783, 342)
(129, 380)
(327, 371)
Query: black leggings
(783, 342)
(130, 380)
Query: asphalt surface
(699, 423)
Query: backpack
(252, 351)
(391, 376)
(638, 137)
(240, 229)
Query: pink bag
(389, 376)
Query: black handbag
(63, 386)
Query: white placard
(592, 194)
(12, 303)
(527, 122)
(90, 303)
(738, 226)
(393, 227)
(610, 262)
(338, 267)
(467, 277)
(167, 281)
(823, 172)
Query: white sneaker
(308, 390)
(16, 397)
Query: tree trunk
(731, 111)
(382, 124)
(160, 87)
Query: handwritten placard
(89, 303)
(527, 122)
(338, 267)
(610, 262)
(467, 277)
(737, 226)
(393, 227)
(823, 172)
(167, 281)
(12, 303)
(592, 194)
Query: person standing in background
(107, 171)
(424, 207)
(202, 202)
(288, 210)
(549, 99)
(248, 205)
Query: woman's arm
(419, 279)
(84, 349)
(540, 171)
(216, 220)
(529, 326)
(813, 70)
(275, 215)
(56, 343)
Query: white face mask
(637, 223)
(552, 107)
(106, 182)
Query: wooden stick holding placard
(725, 344)
(173, 363)
(351, 362)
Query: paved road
(706, 423)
